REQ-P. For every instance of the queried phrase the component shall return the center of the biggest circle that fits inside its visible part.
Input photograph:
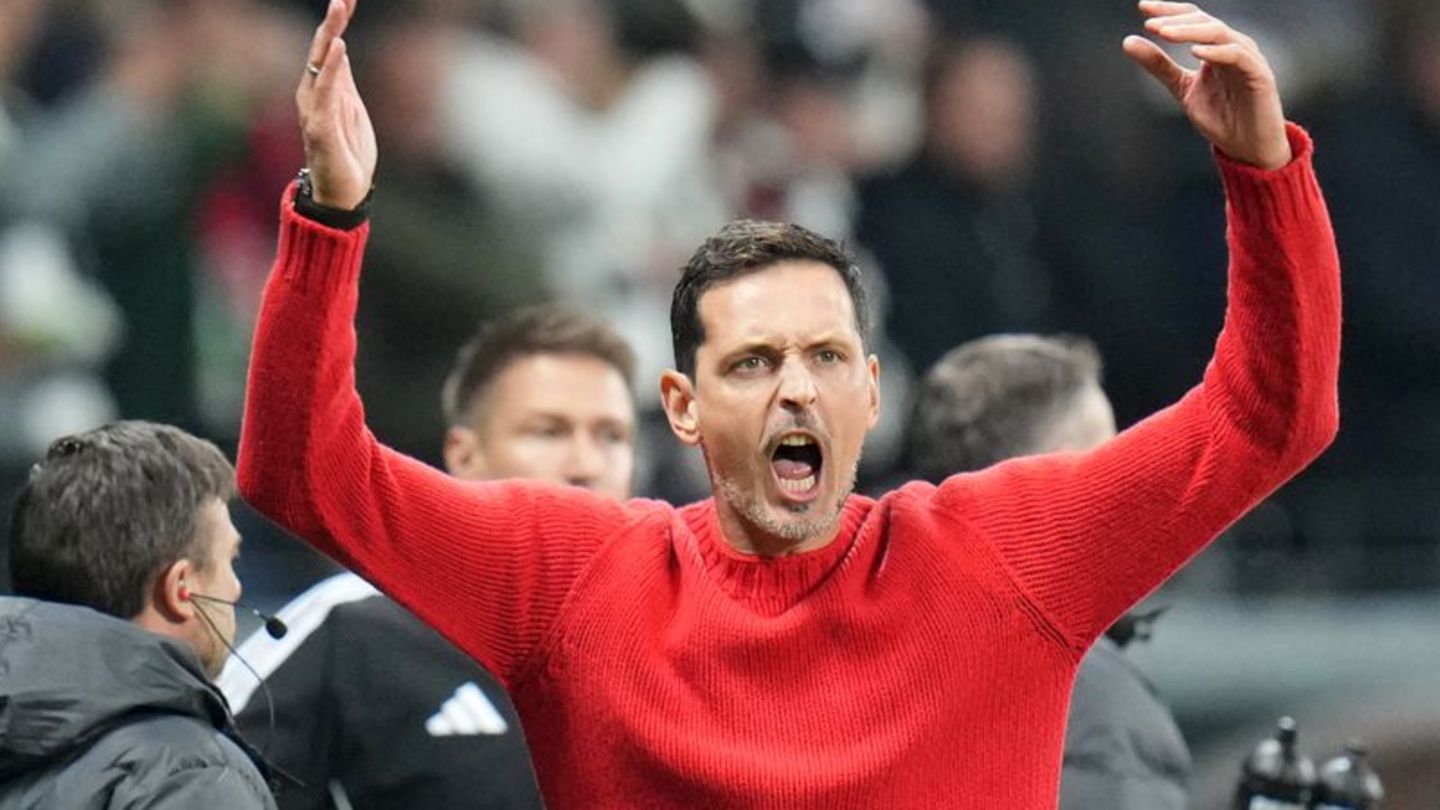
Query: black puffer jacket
(98, 713)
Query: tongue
(791, 469)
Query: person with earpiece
(122, 556)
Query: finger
(1231, 53)
(347, 75)
(1155, 62)
(348, 13)
(1155, 8)
(1156, 23)
(1213, 32)
(328, 29)
(1165, 22)
(334, 75)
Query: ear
(873, 366)
(170, 594)
(677, 395)
(464, 457)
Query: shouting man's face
(782, 398)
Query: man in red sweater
(787, 643)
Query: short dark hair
(994, 398)
(108, 509)
(742, 247)
(544, 329)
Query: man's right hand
(340, 146)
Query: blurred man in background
(590, 126)
(372, 704)
(956, 230)
(1384, 167)
(1008, 396)
(122, 553)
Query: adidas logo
(466, 713)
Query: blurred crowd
(1001, 167)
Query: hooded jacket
(96, 712)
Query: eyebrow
(770, 342)
(612, 422)
(571, 419)
(752, 345)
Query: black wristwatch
(337, 218)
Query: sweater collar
(770, 585)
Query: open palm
(340, 148)
(1232, 99)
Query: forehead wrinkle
(828, 337)
(745, 288)
(754, 333)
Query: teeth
(796, 441)
(798, 485)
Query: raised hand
(1232, 99)
(340, 146)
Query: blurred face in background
(982, 111)
(19, 25)
(558, 418)
(1424, 68)
(401, 88)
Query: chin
(212, 658)
(798, 522)
(213, 668)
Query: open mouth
(796, 463)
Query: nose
(797, 387)
(585, 463)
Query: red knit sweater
(923, 659)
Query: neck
(190, 632)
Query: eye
(547, 430)
(829, 356)
(753, 362)
(614, 435)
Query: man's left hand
(1232, 99)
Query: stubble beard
(802, 526)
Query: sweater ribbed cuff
(1274, 196)
(313, 256)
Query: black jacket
(373, 705)
(97, 713)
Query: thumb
(1156, 62)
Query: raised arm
(1086, 536)
(486, 564)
